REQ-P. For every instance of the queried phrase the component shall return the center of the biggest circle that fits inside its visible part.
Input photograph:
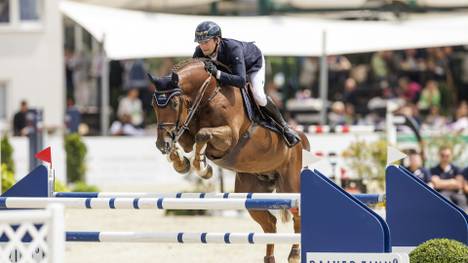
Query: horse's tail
(304, 141)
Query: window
(4, 11)
(21, 14)
(3, 100)
(29, 10)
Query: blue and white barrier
(365, 198)
(149, 203)
(336, 226)
(184, 237)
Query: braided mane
(187, 62)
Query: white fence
(32, 236)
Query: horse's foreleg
(295, 253)
(180, 163)
(219, 137)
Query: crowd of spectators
(430, 85)
(448, 179)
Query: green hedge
(7, 154)
(75, 158)
(440, 251)
(8, 178)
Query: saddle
(255, 113)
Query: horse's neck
(194, 77)
(195, 84)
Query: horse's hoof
(185, 167)
(294, 256)
(269, 259)
(207, 173)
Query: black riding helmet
(207, 30)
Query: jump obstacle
(335, 224)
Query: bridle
(180, 129)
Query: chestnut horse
(194, 113)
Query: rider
(245, 60)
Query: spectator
(339, 67)
(350, 92)
(68, 59)
(350, 117)
(409, 90)
(379, 65)
(437, 64)
(447, 178)
(434, 120)
(137, 78)
(72, 117)
(20, 121)
(461, 117)
(430, 96)
(308, 73)
(124, 127)
(337, 115)
(131, 106)
(303, 94)
(415, 166)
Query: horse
(194, 114)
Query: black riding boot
(289, 134)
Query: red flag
(44, 155)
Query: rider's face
(208, 46)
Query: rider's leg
(273, 111)
(258, 82)
(257, 79)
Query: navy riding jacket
(241, 57)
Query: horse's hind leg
(248, 183)
(289, 182)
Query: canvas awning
(135, 34)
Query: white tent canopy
(134, 34)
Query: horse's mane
(187, 62)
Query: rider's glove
(211, 67)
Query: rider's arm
(238, 76)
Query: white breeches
(257, 79)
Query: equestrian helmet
(207, 30)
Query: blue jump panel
(417, 213)
(335, 221)
(32, 185)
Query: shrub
(76, 153)
(8, 178)
(440, 251)
(81, 186)
(7, 154)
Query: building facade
(31, 59)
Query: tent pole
(324, 80)
(104, 91)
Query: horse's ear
(153, 80)
(174, 78)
